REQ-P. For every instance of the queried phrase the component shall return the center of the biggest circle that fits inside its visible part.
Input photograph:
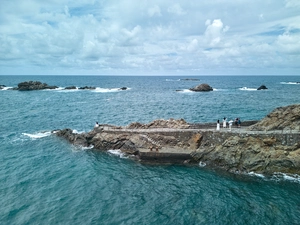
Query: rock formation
(33, 85)
(251, 149)
(202, 87)
(262, 87)
(282, 118)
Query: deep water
(45, 180)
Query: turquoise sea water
(45, 180)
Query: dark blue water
(44, 180)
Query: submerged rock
(202, 87)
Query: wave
(172, 79)
(247, 89)
(185, 91)
(38, 135)
(5, 88)
(118, 153)
(97, 89)
(107, 90)
(256, 175)
(288, 177)
(290, 83)
(202, 164)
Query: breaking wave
(38, 135)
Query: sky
(150, 37)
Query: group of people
(237, 122)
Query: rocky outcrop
(171, 123)
(2, 86)
(262, 153)
(282, 118)
(202, 87)
(70, 88)
(87, 88)
(33, 85)
(271, 145)
(262, 87)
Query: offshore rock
(33, 85)
(202, 87)
(70, 88)
(262, 87)
(87, 88)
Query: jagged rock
(33, 85)
(202, 87)
(123, 88)
(171, 123)
(251, 154)
(87, 88)
(246, 151)
(282, 118)
(262, 87)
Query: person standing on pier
(230, 124)
(224, 122)
(218, 125)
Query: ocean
(45, 180)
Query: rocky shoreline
(266, 146)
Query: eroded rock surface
(282, 118)
(243, 150)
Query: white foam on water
(247, 89)
(202, 164)
(185, 91)
(77, 132)
(288, 177)
(172, 79)
(107, 90)
(256, 174)
(117, 152)
(38, 135)
(5, 88)
(290, 83)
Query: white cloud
(214, 31)
(128, 36)
(176, 9)
(154, 11)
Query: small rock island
(266, 146)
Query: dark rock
(262, 87)
(87, 88)
(123, 88)
(2, 86)
(33, 85)
(202, 87)
(70, 88)
(190, 79)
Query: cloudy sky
(150, 37)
